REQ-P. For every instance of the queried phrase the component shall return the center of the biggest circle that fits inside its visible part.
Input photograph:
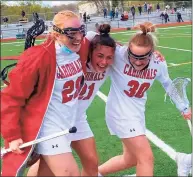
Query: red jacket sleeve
(84, 53)
(22, 81)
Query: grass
(162, 118)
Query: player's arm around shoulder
(121, 53)
(163, 75)
(90, 35)
(84, 49)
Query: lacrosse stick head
(177, 93)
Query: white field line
(19, 42)
(128, 175)
(174, 48)
(174, 64)
(174, 27)
(163, 34)
(152, 137)
(185, 50)
(174, 36)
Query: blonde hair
(144, 38)
(59, 20)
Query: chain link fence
(14, 26)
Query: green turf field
(162, 118)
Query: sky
(51, 3)
(56, 3)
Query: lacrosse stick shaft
(71, 130)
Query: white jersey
(92, 83)
(127, 96)
(61, 112)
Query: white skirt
(83, 131)
(61, 144)
(125, 128)
(53, 146)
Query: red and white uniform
(25, 104)
(93, 82)
(61, 112)
(125, 109)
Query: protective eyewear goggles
(69, 32)
(140, 57)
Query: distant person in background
(175, 9)
(112, 14)
(139, 9)
(148, 9)
(84, 17)
(5, 21)
(167, 8)
(116, 12)
(162, 16)
(88, 18)
(166, 17)
(145, 7)
(179, 17)
(22, 13)
(183, 8)
(105, 12)
(124, 16)
(158, 7)
(133, 11)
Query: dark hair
(103, 38)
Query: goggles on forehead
(140, 57)
(69, 32)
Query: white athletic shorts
(125, 128)
(83, 131)
(53, 146)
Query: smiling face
(138, 50)
(102, 57)
(75, 43)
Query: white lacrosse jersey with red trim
(92, 82)
(61, 112)
(127, 96)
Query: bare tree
(122, 5)
(100, 4)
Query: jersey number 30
(136, 90)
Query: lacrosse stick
(71, 130)
(34, 31)
(177, 93)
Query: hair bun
(104, 29)
(147, 27)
